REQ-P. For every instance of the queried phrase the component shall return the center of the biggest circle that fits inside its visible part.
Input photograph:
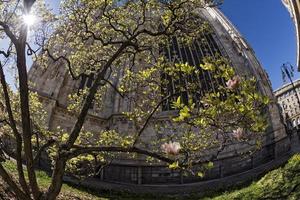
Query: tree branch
(42, 148)
(9, 33)
(150, 116)
(8, 179)
(16, 133)
(78, 150)
(64, 58)
(114, 87)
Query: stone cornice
(293, 7)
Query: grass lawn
(281, 183)
(67, 193)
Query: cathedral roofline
(293, 7)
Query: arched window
(193, 55)
(86, 81)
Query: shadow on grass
(281, 183)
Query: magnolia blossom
(233, 83)
(172, 148)
(238, 133)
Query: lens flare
(29, 19)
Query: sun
(29, 19)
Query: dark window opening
(82, 82)
(86, 81)
(201, 82)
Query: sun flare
(29, 19)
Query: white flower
(172, 148)
(238, 133)
(233, 83)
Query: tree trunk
(15, 188)
(57, 179)
(16, 133)
(60, 163)
(25, 114)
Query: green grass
(281, 183)
(67, 192)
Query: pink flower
(172, 148)
(233, 83)
(238, 133)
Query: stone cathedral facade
(54, 84)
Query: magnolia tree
(104, 37)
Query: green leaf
(177, 103)
(200, 174)
(266, 100)
(174, 165)
(208, 66)
(184, 113)
(209, 165)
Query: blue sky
(267, 27)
